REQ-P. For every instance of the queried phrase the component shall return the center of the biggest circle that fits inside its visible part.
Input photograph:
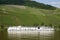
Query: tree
(2, 26)
(35, 25)
(42, 23)
(50, 25)
(28, 3)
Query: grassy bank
(11, 15)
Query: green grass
(10, 16)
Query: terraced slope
(22, 15)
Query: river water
(30, 35)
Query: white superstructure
(20, 28)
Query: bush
(35, 25)
(42, 23)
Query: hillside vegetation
(29, 3)
(23, 15)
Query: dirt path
(18, 6)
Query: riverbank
(5, 29)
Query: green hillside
(23, 15)
(29, 3)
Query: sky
(55, 3)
